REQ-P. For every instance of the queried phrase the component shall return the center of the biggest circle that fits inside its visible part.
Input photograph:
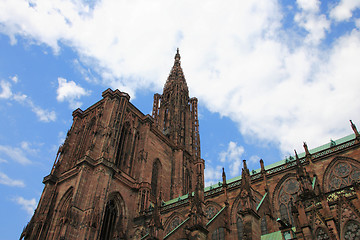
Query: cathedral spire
(175, 115)
(176, 76)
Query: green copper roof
(312, 151)
(270, 166)
(272, 236)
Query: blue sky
(268, 75)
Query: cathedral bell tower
(175, 115)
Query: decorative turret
(303, 178)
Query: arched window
(173, 224)
(288, 189)
(263, 226)
(321, 234)
(120, 153)
(63, 214)
(240, 228)
(108, 225)
(352, 230)
(155, 177)
(218, 234)
(342, 175)
(133, 151)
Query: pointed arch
(285, 190)
(211, 209)
(341, 172)
(113, 221)
(121, 149)
(236, 204)
(172, 222)
(63, 213)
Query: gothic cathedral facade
(121, 174)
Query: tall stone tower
(175, 115)
(116, 163)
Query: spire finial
(262, 165)
(244, 163)
(297, 157)
(223, 176)
(354, 129)
(306, 149)
(177, 55)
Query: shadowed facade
(121, 174)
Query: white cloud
(344, 10)
(5, 89)
(69, 91)
(314, 23)
(43, 114)
(6, 180)
(233, 157)
(28, 147)
(28, 205)
(16, 154)
(14, 78)
(254, 159)
(277, 85)
(212, 175)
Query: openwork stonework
(287, 195)
(352, 230)
(123, 174)
(343, 175)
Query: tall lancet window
(108, 225)
(288, 189)
(120, 154)
(155, 177)
(133, 152)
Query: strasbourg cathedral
(121, 174)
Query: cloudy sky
(268, 75)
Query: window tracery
(321, 234)
(173, 224)
(289, 188)
(108, 226)
(210, 212)
(352, 230)
(342, 175)
(121, 150)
